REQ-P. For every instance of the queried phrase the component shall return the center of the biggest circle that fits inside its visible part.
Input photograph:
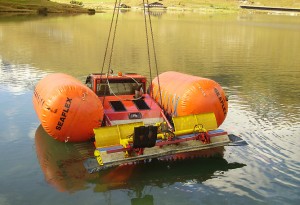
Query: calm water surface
(256, 58)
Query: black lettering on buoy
(62, 119)
(68, 103)
(60, 123)
(63, 115)
(39, 99)
(222, 102)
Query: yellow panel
(111, 135)
(127, 129)
(184, 122)
(208, 120)
(107, 136)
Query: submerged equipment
(178, 119)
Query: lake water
(255, 58)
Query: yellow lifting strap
(186, 124)
(114, 135)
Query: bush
(76, 2)
(42, 11)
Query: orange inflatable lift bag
(68, 110)
(183, 94)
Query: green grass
(31, 6)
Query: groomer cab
(124, 99)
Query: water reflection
(18, 78)
(156, 13)
(62, 165)
(254, 57)
(145, 200)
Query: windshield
(116, 88)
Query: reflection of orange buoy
(183, 94)
(68, 110)
(62, 164)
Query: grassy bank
(64, 6)
(170, 4)
(226, 4)
(33, 6)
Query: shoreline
(42, 7)
(45, 7)
(270, 8)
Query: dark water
(256, 58)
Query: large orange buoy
(68, 110)
(183, 94)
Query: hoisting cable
(154, 51)
(108, 38)
(148, 48)
(112, 45)
(114, 36)
(147, 41)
